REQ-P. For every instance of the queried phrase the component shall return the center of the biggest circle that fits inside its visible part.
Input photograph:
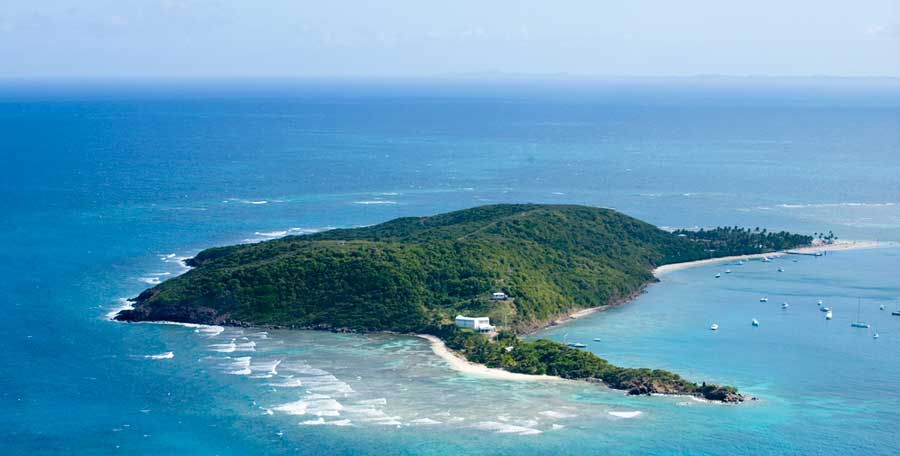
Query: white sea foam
(379, 401)
(150, 280)
(557, 415)
(223, 348)
(166, 355)
(425, 421)
(287, 383)
(556, 427)
(321, 421)
(240, 366)
(272, 234)
(124, 304)
(830, 205)
(633, 414)
(269, 367)
(505, 428)
(340, 387)
(293, 231)
(312, 404)
(375, 202)
(210, 331)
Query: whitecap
(240, 366)
(829, 205)
(268, 367)
(321, 421)
(557, 415)
(312, 404)
(150, 280)
(166, 355)
(505, 428)
(332, 388)
(245, 346)
(223, 348)
(287, 383)
(425, 421)
(375, 202)
(210, 331)
(632, 414)
(272, 234)
(124, 304)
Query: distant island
(522, 265)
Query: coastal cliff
(415, 274)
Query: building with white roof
(480, 324)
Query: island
(522, 265)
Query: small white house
(498, 296)
(480, 324)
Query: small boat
(714, 327)
(820, 302)
(896, 313)
(763, 299)
(828, 315)
(882, 307)
(875, 336)
(596, 339)
(859, 323)
(780, 269)
(767, 260)
(755, 322)
(741, 263)
(785, 305)
(577, 345)
(718, 275)
(728, 271)
(825, 309)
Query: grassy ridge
(414, 274)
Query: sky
(425, 38)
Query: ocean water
(104, 188)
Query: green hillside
(415, 274)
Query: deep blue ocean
(105, 187)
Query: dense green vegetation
(545, 357)
(728, 241)
(415, 274)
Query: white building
(498, 296)
(480, 324)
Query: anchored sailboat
(859, 323)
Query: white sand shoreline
(460, 364)
(840, 245)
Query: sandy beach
(840, 245)
(462, 365)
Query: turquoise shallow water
(105, 189)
